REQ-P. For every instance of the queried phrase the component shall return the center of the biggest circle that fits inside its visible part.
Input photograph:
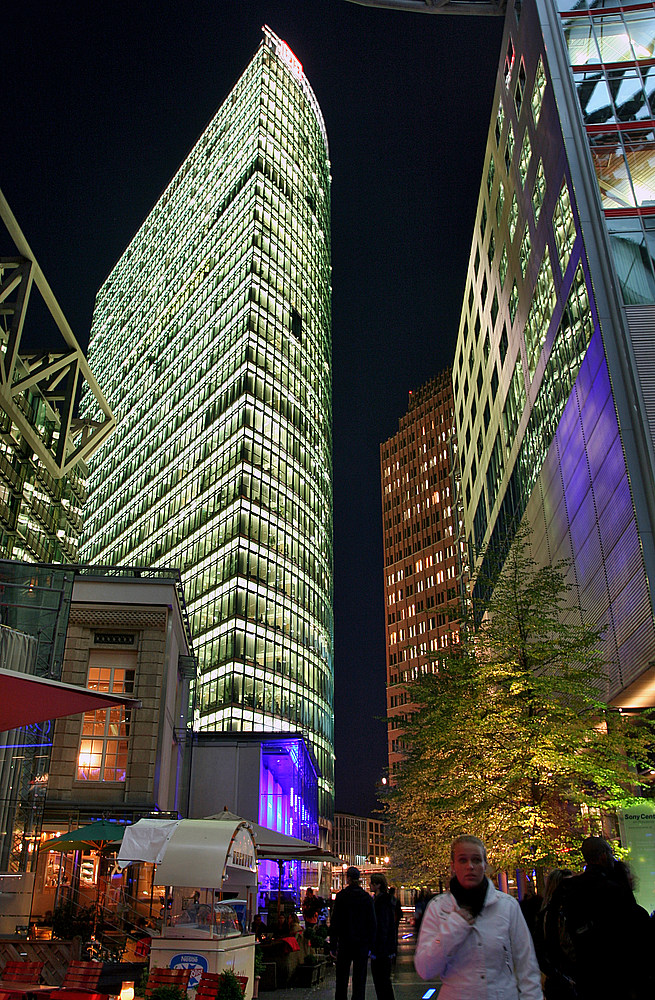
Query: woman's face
(468, 865)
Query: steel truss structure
(53, 376)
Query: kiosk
(203, 864)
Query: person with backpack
(598, 936)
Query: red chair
(23, 974)
(80, 983)
(168, 977)
(210, 983)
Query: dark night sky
(101, 103)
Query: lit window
(514, 404)
(509, 147)
(519, 89)
(538, 91)
(509, 61)
(500, 202)
(513, 218)
(524, 251)
(502, 267)
(500, 118)
(490, 176)
(105, 732)
(540, 314)
(524, 159)
(513, 302)
(564, 227)
(539, 190)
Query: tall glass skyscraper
(553, 385)
(211, 340)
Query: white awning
(192, 852)
(274, 846)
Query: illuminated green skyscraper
(211, 340)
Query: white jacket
(491, 959)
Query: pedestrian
(397, 912)
(310, 906)
(557, 984)
(352, 935)
(474, 938)
(384, 949)
(599, 936)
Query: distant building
(553, 373)
(378, 850)
(360, 841)
(350, 839)
(43, 447)
(422, 563)
(211, 338)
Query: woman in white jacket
(474, 938)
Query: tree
(512, 740)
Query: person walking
(599, 936)
(557, 985)
(384, 949)
(352, 935)
(397, 915)
(474, 938)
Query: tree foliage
(512, 740)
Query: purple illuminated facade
(554, 405)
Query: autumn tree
(513, 740)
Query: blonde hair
(468, 838)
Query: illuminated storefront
(212, 339)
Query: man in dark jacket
(352, 935)
(384, 948)
(603, 935)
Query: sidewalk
(407, 985)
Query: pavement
(407, 985)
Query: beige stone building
(125, 634)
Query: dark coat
(385, 937)
(599, 936)
(352, 924)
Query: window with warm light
(105, 733)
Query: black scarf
(472, 899)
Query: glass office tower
(212, 340)
(554, 399)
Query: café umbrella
(96, 836)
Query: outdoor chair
(210, 983)
(80, 983)
(168, 977)
(23, 975)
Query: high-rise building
(422, 566)
(554, 397)
(211, 338)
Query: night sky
(102, 102)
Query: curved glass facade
(211, 339)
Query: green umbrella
(95, 837)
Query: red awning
(25, 699)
